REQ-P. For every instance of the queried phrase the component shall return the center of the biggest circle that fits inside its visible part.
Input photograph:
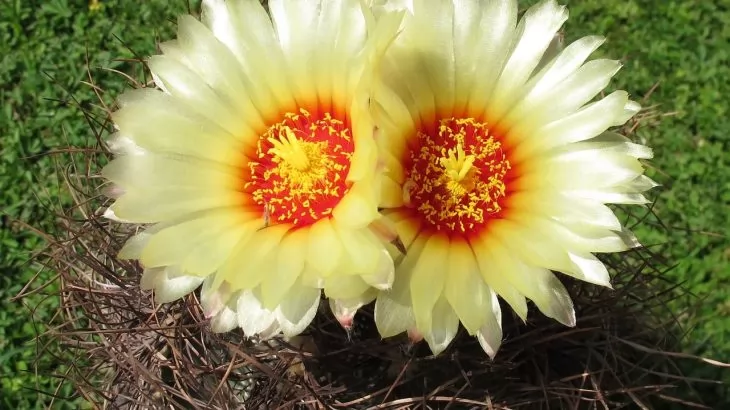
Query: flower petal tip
(109, 214)
(346, 321)
(569, 319)
(225, 321)
(112, 191)
(414, 336)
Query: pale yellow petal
(312, 278)
(545, 251)
(212, 253)
(393, 308)
(295, 28)
(584, 237)
(395, 123)
(168, 289)
(382, 277)
(589, 269)
(132, 249)
(429, 31)
(290, 258)
(443, 328)
(364, 159)
(297, 309)
(344, 287)
(427, 280)
(391, 193)
(408, 228)
(171, 171)
(215, 63)
(361, 249)
(564, 98)
(581, 169)
(489, 39)
(537, 29)
(345, 309)
(384, 229)
(246, 29)
(172, 245)
(494, 272)
(152, 206)
(536, 283)
(392, 317)
(570, 59)
(623, 194)
(253, 259)
(324, 250)
(119, 144)
(390, 157)
(564, 208)
(464, 288)
(589, 122)
(190, 90)
(490, 334)
(357, 209)
(253, 317)
(522, 239)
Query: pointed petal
(324, 249)
(494, 272)
(174, 244)
(226, 319)
(490, 334)
(290, 259)
(382, 277)
(166, 289)
(391, 316)
(443, 328)
(464, 288)
(132, 249)
(253, 318)
(427, 280)
(297, 309)
(345, 309)
(393, 308)
(214, 296)
(537, 27)
(589, 269)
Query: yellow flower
(498, 167)
(94, 5)
(256, 164)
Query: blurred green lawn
(684, 45)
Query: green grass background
(44, 45)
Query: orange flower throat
(301, 166)
(456, 177)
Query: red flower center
(456, 176)
(301, 166)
